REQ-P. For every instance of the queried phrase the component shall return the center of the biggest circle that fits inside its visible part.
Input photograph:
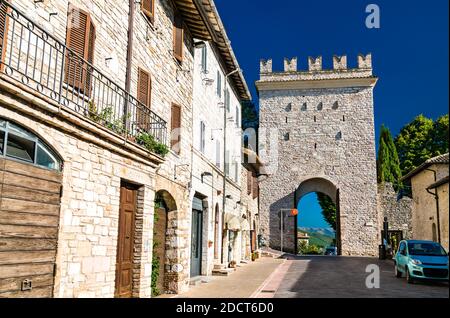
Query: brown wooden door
(125, 244)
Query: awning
(232, 222)
(245, 226)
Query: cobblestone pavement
(345, 277)
(240, 284)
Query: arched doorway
(328, 199)
(165, 207)
(216, 232)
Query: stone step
(195, 281)
(223, 272)
(220, 266)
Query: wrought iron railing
(35, 58)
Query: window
(227, 163)
(144, 92)
(236, 171)
(320, 106)
(80, 39)
(238, 117)
(20, 144)
(304, 107)
(218, 153)
(249, 182)
(219, 84)
(202, 137)
(148, 8)
(255, 187)
(178, 37)
(204, 59)
(175, 125)
(227, 100)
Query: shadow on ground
(345, 277)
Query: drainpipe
(436, 197)
(129, 57)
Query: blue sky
(410, 51)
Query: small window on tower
(336, 105)
(304, 107)
(287, 137)
(320, 106)
(289, 107)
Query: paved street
(344, 277)
(240, 284)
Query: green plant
(106, 118)
(151, 144)
(309, 249)
(155, 258)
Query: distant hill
(319, 236)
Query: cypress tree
(388, 163)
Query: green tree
(249, 115)
(388, 163)
(328, 209)
(421, 140)
(440, 136)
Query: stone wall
(320, 125)
(95, 163)
(397, 210)
(443, 214)
(424, 213)
(172, 82)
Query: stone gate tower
(317, 135)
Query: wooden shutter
(148, 8)
(144, 92)
(80, 39)
(175, 125)
(178, 37)
(255, 187)
(3, 28)
(249, 182)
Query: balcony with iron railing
(34, 58)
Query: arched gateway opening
(285, 235)
(165, 210)
(318, 240)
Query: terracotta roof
(203, 20)
(442, 159)
(439, 183)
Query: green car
(421, 260)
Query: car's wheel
(398, 274)
(409, 279)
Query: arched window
(19, 144)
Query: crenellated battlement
(315, 64)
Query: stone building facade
(216, 161)
(106, 109)
(398, 211)
(429, 185)
(317, 134)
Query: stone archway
(326, 187)
(165, 214)
(216, 232)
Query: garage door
(29, 218)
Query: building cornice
(268, 85)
